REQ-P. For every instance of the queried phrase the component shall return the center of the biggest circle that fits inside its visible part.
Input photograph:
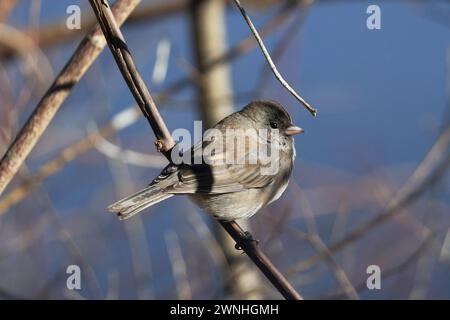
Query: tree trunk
(215, 93)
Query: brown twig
(84, 55)
(126, 65)
(272, 65)
(242, 47)
(282, 45)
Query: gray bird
(228, 191)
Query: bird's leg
(246, 236)
(242, 238)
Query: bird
(228, 190)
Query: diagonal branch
(88, 50)
(272, 65)
(127, 67)
(250, 247)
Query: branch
(88, 50)
(282, 45)
(250, 247)
(118, 47)
(127, 67)
(242, 47)
(272, 65)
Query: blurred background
(370, 184)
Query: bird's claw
(246, 238)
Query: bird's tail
(131, 205)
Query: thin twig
(272, 65)
(88, 50)
(285, 41)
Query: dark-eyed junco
(233, 180)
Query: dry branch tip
(269, 60)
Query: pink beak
(292, 130)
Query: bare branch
(124, 60)
(284, 42)
(84, 55)
(272, 65)
(250, 247)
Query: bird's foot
(246, 238)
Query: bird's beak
(292, 130)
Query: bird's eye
(273, 125)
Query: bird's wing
(215, 180)
(219, 178)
